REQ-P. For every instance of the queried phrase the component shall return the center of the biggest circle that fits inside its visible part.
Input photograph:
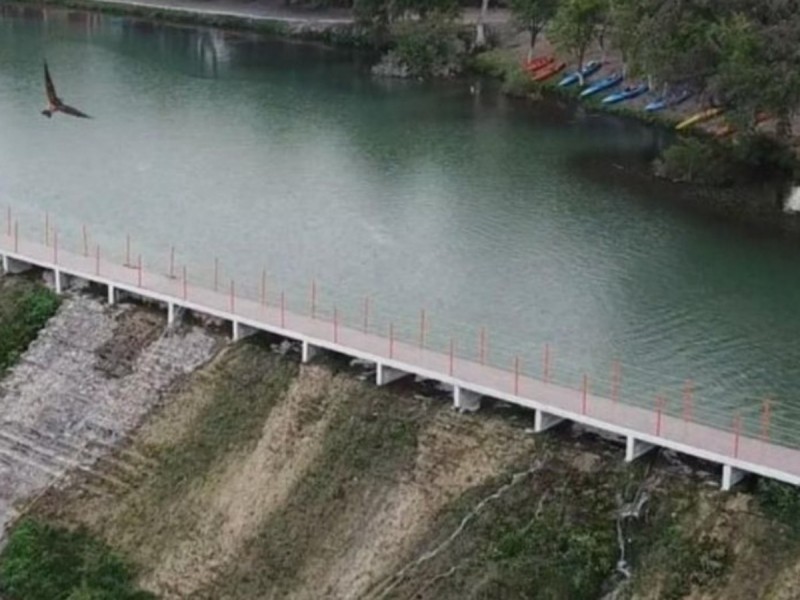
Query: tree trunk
(480, 34)
(581, 55)
(783, 128)
(534, 31)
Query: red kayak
(535, 64)
(549, 71)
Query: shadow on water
(755, 209)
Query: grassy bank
(25, 307)
(272, 479)
(46, 562)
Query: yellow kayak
(699, 118)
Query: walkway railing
(619, 400)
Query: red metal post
(766, 415)
(737, 433)
(659, 411)
(687, 400)
(172, 262)
(216, 274)
(139, 267)
(366, 314)
(422, 328)
(482, 350)
(516, 375)
(452, 356)
(263, 287)
(335, 325)
(283, 309)
(585, 394)
(85, 241)
(616, 377)
(546, 364)
(97, 259)
(55, 246)
(185, 284)
(391, 340)
(233, 297)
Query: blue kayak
(627, 93)
(668, 102)
(588, 70)
(603, 84)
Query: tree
(759, 68)
(625, 18)
(575, 26)
(480, 33)
(534, 16)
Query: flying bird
(54, 103)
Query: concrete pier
(465, 400)
(636, 448)
(385, 375)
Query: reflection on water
(533, 222)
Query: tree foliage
(533, 15)
(576, 24)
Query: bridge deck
(651, 426)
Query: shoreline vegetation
(737, 62)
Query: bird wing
(69, 110)
(51, 89)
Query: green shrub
(429, 48)
(780, 502)
(24, 310)
(696, 160)
(43, 562)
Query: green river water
(485, 212)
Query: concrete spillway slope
(85, 382)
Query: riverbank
(276, 479)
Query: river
(483, 211)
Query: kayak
(603, 84)
(588, 70)
(699, 118)
(668, 101)
(537, 63)
(549, 71)
(627, 93)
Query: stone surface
(64, 406)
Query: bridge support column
(239, 331)
(636, 448)
(308, 352)
(465, 400)
(731, 476)
(57, 281)
(544, 421)
(112, 295)
(12, 266)
(170, 314)
(385, 375)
